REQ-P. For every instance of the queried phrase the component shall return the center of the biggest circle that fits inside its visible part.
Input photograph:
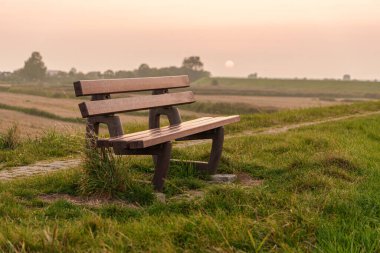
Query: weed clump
(11, 139)
(102, 174)
(106, 175)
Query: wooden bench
(157, 140)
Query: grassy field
(310, 189)
(36, 113)
(70, 134)
(54, 91)
(324, 89)
(288, 87)
(274, 103)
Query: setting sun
(229, 64)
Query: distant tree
(94, 75)
(34, 68)
(73, 72)
(61, 74)
(17, 74)
(252, 76)
(80, 75)
(193, 63)
(193, 67)
(124, 74)
(108, 74)
(143, 70)
(346, 77)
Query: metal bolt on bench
(157, 140)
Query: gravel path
(49, 166)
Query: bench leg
(217, 137)
(162, 166)
(154, 119)
(216, 150)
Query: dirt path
(43, 167)
(305, 124)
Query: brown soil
(31, 126)
(246, 180)
(64, 107)
(85, 201)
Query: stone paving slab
(38, 168)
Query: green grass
(257, 121)
(222, 108)
(251, 121)
(288, 87)
(51, 145)
(286, 117)
(319, 193)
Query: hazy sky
(276, 38)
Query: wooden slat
(151, 133)
(158, 130)
(175, 132)
(109, 106)
(215, 123)
(125, 140)
(108, 142)
(110, 86)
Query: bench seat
(156, 136)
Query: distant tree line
(34, 70)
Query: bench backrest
(100, 91)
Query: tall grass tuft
(11, 139)
(107, 176)
(102, 174)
